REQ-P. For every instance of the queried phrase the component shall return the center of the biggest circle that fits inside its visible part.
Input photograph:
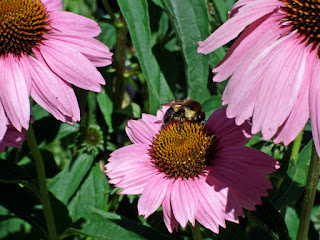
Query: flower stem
(109, 10)
(43, 190)
(120, 58)
(196, 233)
(309, 195)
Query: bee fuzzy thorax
(181, 110)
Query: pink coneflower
(274, 65)
(194, 172)
(43, 50)
(12, 138)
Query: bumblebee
(184, 109)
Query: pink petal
(71, 65)
(131, 168)
(71, 23)
(168, 216)
(52, 5)
(235, 25)
(210, 212)
(153, 195)
(14, 93)
(3, 122)
(314, 99)
(226, 129)
(249, 45)
(143, 130)
(243, 96)
(50, 92)
(184, 201)
(232, 208)
(12, 138)
(243, 171)
(98, 53)
(280, 87)
(300, 112)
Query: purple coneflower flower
(274, 65)
(43, 50)
(196, 172)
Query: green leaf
(67, 129)
(23, 204)
(158, 2)
(269, 218)
(105, 103)
(191, 21)
(223, 7)
(132, 109)
(137, 19)
(292, 222)
(103, 225)
(210, 105)
(65, 184)
(293, 185)
(92, 193)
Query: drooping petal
(244, 94)
(71, 23)
(98, 53)
(12, 138)
(3, 122)
(248, 46)
(153, 195)
(50, 92)
(71, 65)
(14, 92)
(130, 168)
(168, 216)
(210, 210)
(279, 89)
(314, 99)
(230, 132)
(184, 201)
(240, 169)
(235, 25)
(300, 112)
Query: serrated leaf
(137, 19)
(92, 193)
(293, 185)
(191, 21)
(65, 184)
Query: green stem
(196, 233)
(120, 58)
(109, 10)
(296, 147)
(43, 190)
(309, 195)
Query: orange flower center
(180, 150)
(22, 25)
(304, 16)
